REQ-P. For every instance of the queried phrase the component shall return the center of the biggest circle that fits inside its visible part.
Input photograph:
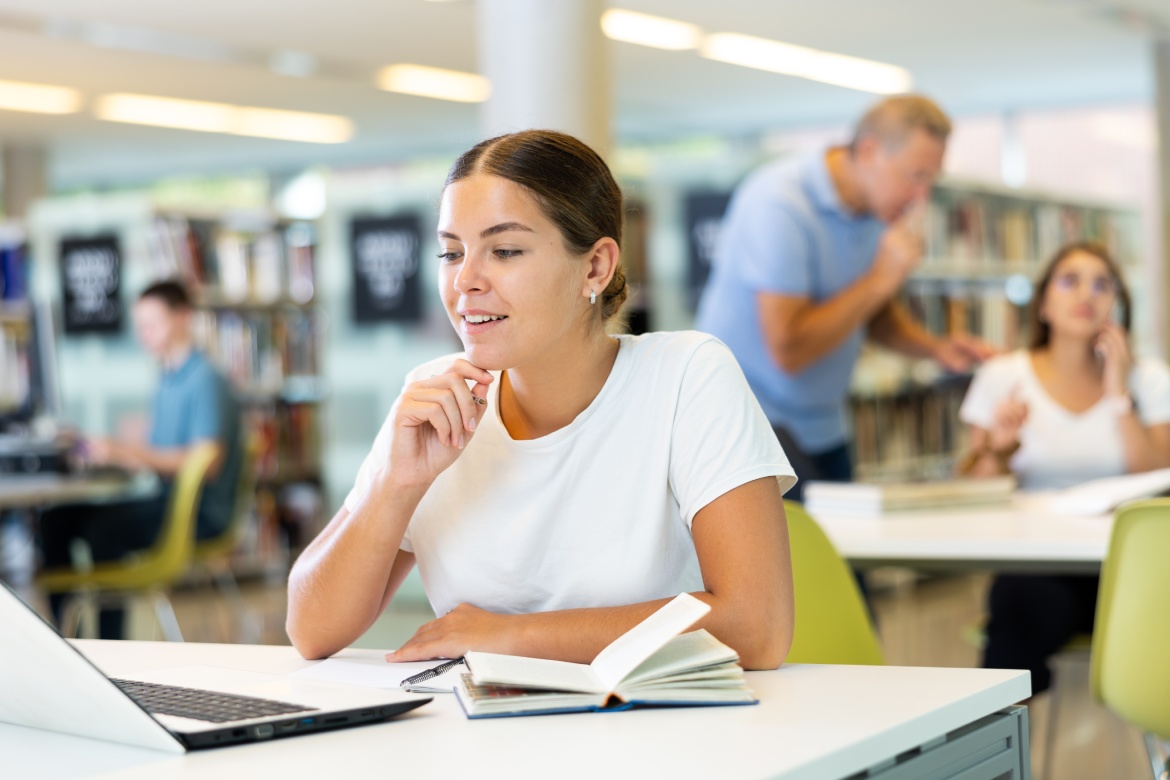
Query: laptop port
(288, 725)
(338, 719)
(308, 721)
(238, 732)
(264, 730)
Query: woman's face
(511, 288)
(1080, 296)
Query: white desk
(20, 491)
(812, 723)
(1023, 537)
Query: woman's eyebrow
(504, 227)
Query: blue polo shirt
(193, 403)
(787, 232)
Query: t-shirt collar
(176, 370)
(821, 187)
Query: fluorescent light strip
(38, 98)
(777, 57)
(208, 117)
(646, 30)
(439, 83)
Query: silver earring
(592, 297)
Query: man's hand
(451, 636)
(960, 352)
(900, 250)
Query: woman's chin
(487, 359)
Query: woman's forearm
(338, 585)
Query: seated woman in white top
(554, 484)
(1074, 406)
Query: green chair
(1129, 666)
(213, 555)
(147, 572)
(832, 623)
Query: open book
(649, 665)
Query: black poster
(704, 218)
(91, 281)
(385, 269)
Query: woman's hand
(1010, 415)
(1113, 347)
(451, 636)
(434, 418)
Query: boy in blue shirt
(193, 404)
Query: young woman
(1074, 406)
(554, 484)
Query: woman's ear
(603, 261)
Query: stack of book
(834, 498)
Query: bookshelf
(257, 319)
(985, 245)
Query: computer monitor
(44, 396)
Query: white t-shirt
(1059, 448)
(599, 512)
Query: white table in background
(812, 723)
(1026, 536)
(21, 491)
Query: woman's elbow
(766, 643)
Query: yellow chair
(147, 572)
(213, 555)
(1129, 666)
(832, 623)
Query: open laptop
(46, 683)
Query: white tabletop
(19, 491)
(813, 722)
(1025, 536)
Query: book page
(686, 651)
(630, 649)
(496, 669)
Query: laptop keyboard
(210, 706)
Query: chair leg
(1050, 730)
(165, 613)
(1159, 760)
(225, 581)
(79, 616)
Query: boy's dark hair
(171, 292)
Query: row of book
(285, 518)
(260, 350)
(14, 366)
(13, 271)
(227, 264)
(288, 440)
(967, 231)
(983, 310)
(910, 434)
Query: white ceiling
(975, 57)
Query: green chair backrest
(1130, 663)
(250, 450)
(168, 558)
(832, 623)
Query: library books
(875, 497)
(652, 664)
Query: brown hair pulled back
(570, 182)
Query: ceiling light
(777, 57)
(38, 98)
(646, 30)
(224, 118)
(435, 83)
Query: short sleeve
(205, 418)
(1151, 391)
(988, 386)
(763, 240)
(721, 438)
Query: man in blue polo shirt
(192, 405)
(810, 257)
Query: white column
(24, 173)
(1162, 113)
(548, 63)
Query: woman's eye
(448, 257)
(505, 253)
